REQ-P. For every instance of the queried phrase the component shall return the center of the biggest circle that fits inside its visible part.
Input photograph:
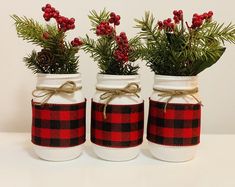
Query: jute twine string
(69, 87)
(110, 94)
(177, 93)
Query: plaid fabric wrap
(58, 125)
(178, 126)
(122, 128)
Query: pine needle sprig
(30, 30)
(148, 28)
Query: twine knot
(177, 93)
(69, 87)
(110, 94)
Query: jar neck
(56, 80)
(116, 81)
(164, 82)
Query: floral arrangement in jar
(117, 109)
(58, 105)
(177, 51)
(114, 53)
(57, 56)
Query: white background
(217, 86)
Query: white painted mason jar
(74, 100)
(112, 82)
(179, 119)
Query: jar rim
(109, 76)
(48, 75)
(172, 77)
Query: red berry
(54, 15)
(123, 34)
(59, 20)
(47, 19)
(118, 18)
(117, 23)
(169, 20)
(112, 14)
(180, 12)
(205, 16)
(175, 12)
(47, 10)
(111, 20)
(71, 20)
(76, 40)
(72, 26)
(48, 6)
(43, 9)
(176, 19)
(45, 35)
(210, 14)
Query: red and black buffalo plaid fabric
(58, 125)
(179, 125)
(122, 128)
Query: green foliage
(186, 51)
(64, 54)
(102, 49)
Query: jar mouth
(57, 76)
(115, 77)
(116, 81)
(166, 82)
(56, 80)
(172, 77)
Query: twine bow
(46, 93)
(177, 93)
(110, 94)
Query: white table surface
(214, 166)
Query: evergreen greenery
(185, 51)
(64, 61)
(102, 49)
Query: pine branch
(221, 32)
(148, 28)
(29, 30)
(135, 49)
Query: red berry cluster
(64, 24)
(76, 42)
(50, 12)
(121, 53)
(198, 20)
(104, 29)
(115, 19)
(178, 16)
(167, 24)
